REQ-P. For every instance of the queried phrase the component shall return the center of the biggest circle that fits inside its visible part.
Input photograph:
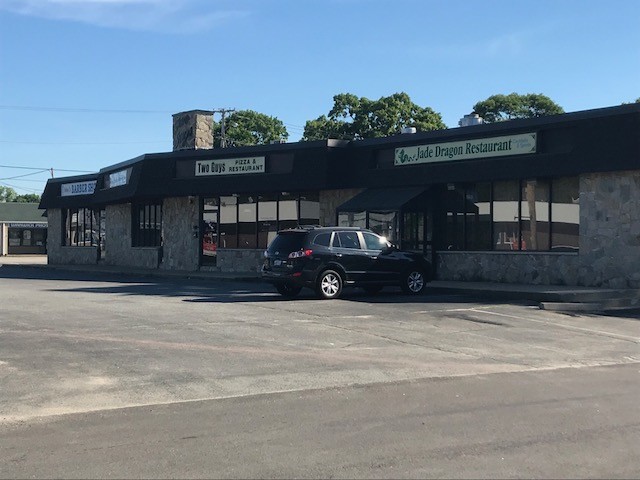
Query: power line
(20, 188)
(76, 110)
(25, 175)
(45, 169)
(82, 143)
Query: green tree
(28, 198)
(354, 117)
(498, 108)
(246, 127)
(7, 194)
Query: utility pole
(223, 112)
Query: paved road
(109, 377)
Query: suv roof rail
(308, 227)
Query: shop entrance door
(417, 234)
(209, 232)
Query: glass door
(209, 228)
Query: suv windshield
(286, 243)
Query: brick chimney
(193, 130)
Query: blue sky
(88, 83)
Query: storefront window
(413, 231)
(287, 210)
(565, 214)
(506, 196)
(534, 213)
(384, 224)
(478, 217)
(309, 208)
(267, 219)
(229, 222)
(352, 219)
(455, 211)
(209, 230)
(247, 216)
(82, 227)
(147, 225)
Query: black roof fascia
(569, 144)
(51, 197)
(497, 128)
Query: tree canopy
(8, 194)
(354, 117)
(498, 108)
(247, 127)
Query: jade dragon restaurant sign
(230, 166)
(467, 149)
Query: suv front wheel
(413, 282)
(329, 284)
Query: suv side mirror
(389, 247)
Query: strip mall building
(551, 200)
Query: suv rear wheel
(329, 284)
(413, 282)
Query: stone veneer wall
(181, 248)
(610, 229)
(332, 199)
(238, 260)
(118, 241)
(609, 254)
(57, 253)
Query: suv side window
(322, 239)
(373, 241)
(349, 240)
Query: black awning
(381, 199)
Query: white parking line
(560, 325)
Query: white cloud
(169, 16)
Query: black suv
(327, 259)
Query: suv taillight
(301, 253)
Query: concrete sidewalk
(549, 297)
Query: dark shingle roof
(21, 212)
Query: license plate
(277, 263)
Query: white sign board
(467, 149)
(230, 166)
(118, 179)
(78, 188)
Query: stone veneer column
(332, 199)
(193, 130)
(610, 229)
(180, 247)
(54, 235)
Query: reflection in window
(478, 217)
(310, 208)
(267, 219)
(454, 229)
(352, 219)
(210, 230)
(247, 216)
(82, 227)
(349, 240)
(506, 196)
(534, 213)
(385, 224)
(146, 225)
(287, 210)
(413, 231)
(565, 214)
(229, 222)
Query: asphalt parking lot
(74, 344)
